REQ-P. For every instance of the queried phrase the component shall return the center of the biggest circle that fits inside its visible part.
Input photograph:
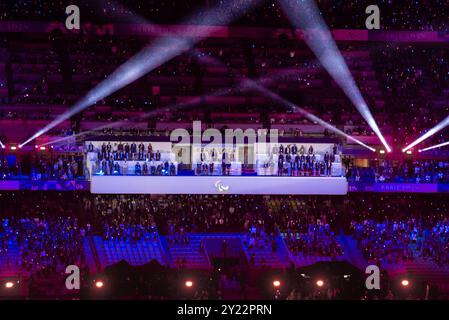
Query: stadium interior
(329, 154)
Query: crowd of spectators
(412, 15)
(416, 81)
(388, 228)
(387, 241)
(412, 79)
(47, 246)
(36, 167)
(307, 226)
(413, 171)
(392, 229)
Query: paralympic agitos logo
(220, 187)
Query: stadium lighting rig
(305, 15)
(154, 55)
(434, 147)
(440, 126)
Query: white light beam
(305, 14)
(154, 55)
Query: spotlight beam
(259, 86)
(152, 56)
(440, 126)
(305, 14)
(2, 145)
(265, 81)
(435, 146)
(305, 113)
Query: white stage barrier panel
(218, 185)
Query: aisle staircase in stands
(353, 255)
(189, 255)
(266, 257)
(134, 252)
(430, 272)
(351, 252)
(10, 261)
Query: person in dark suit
(297, 158)
(141, 149)
(280, 164)
(202, 156)
(311, 149)
(211, 168)
(133, 150)
(152, 168)
(223, 168)
(116, 168)
(126, 149)
(326, 157)
(294, 149)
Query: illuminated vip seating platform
(218, 185)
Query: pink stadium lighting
(405, 283)
(276, 283)
(177, 106)
(99, 284)
(440, 126)
(305, 15)
(252, 84)
(9, 285)
(154, 55)
(320, 283)
(189, 284)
